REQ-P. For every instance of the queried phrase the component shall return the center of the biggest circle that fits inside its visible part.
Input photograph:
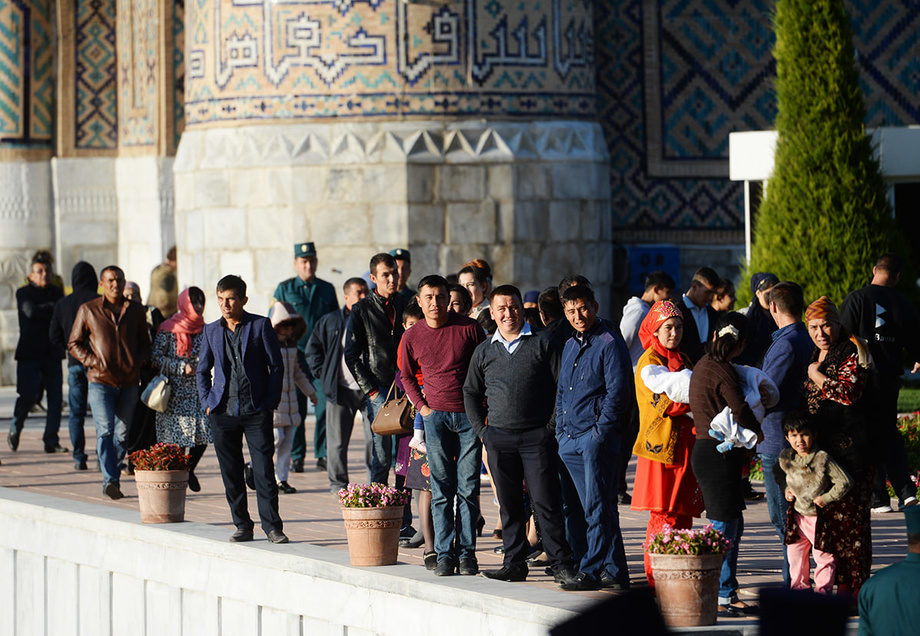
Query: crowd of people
(536, 390)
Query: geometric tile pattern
(138, 68)
(299, 59)
(675, 76)
(26, 74)
(178, 102)
(95, 68)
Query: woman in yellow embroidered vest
(665, 484)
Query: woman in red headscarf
(665, 484)
(175, 354)
(835, 397)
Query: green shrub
(825, 218)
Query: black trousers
(529, 456)
(892, 457)
(227, 432)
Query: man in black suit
(699, 317)
(242, 353)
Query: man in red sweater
(441, 346)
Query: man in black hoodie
(38, 361)
(84, 281)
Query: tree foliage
(825, 218)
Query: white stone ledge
(124, 575)
(476, 141)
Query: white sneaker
(880, 510)
(910, 501)
(418, 445)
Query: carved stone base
(532, 198)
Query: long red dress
(669, 491)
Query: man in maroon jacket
(441, 346)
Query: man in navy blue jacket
(786, 363)
(243, 352)
(592, 404)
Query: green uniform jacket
(312, 300)
(889, 602)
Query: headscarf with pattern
(660, 312)
(825, 309)
(183, 324)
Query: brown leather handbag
(395, 416)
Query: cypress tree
(825, 218)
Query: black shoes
(79, 465)
(415, 541)
(13, 440)
(624, 499)
(581, 582)
(515, 573)
(249, 478)
(276, 536)
(445, 567)
(297, 466)
(321, 464)
(610, 583)
(563, 573)
(286, 488)
(469, 566)
(57, 448)
(193, 483)
(431, 560)
(112, 490)
(241, 535)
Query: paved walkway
(312, 515)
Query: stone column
(460, 129)
(26, 124)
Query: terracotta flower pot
(161, 495)
(373, 534)
(687, 587)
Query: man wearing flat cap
(312, 298)
(889, 602)
(404, 267)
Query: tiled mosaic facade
(152, 35)
(252, 60)
(95, 110)
(676, 76)
(26, 78)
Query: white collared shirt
(701, 316)
(511, 346)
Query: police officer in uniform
(312, 298)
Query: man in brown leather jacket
(116, 330)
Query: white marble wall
(85, 213)
(532, 198)
(26, 225)
(74, 569)
(144, 190)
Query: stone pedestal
(532, 198)
(85, 213)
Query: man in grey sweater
(512, 381)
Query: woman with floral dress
(175, 354)
(835, 397)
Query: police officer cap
(304, 249)
(912, 518)
(401, 255)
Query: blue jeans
(728, 577)
(76, 399)
(113, 409)
(592, 465)
(383, 446)
(30, 376)
(777, 506)
(455, 459)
